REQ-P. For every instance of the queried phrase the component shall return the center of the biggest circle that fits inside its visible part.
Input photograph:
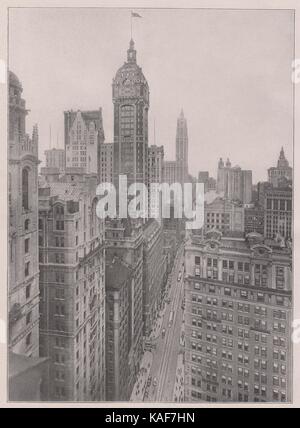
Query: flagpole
(131, 25)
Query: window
(28, 339)
(25, 188)
(26, 245)
(27, 267)
(28, 290)
(28, 318)
(26, 224)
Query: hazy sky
(229, 70)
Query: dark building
(119, 285)
(130, 93)
(154, 267)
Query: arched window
(25, 188)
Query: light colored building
(23, 263)
(72, 288)
(171, 172)
(83, 136)
(106, 163)
(182, 148)
(224, 215)
(283, 170)
(238, 318)
(56, 158)
(234, 183)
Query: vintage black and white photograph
(150, 205)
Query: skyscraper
(72, 287)
(234, 183)
(182, 148)
(130, 93)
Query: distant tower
(130, 94)
(182, 147)
(282, 172)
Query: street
(168, 348)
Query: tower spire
(131, 52)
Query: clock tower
(130, 93)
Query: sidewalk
(178, 392)
(141, 383)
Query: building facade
(283, 170)
(124, 240)
(254, 219)
(209, 182)
(130, 93)
(182, 148)
(154, 275)
(23, 280)
(56, 158)
(119, 310)
(72, 288)
(223, 215)
(278, 212)
(106, 163)
(83, 136)
(238, 319)
(234, 183)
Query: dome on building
(14, 80)
(130, 73)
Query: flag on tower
(135, 15)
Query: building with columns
(238, 319)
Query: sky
(230, 71)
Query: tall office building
(56, 158)
(23, 289)
(182, 148)
(154, 267)
(72, 288)
(238, 319)
(83, 136)
(283, 170)
(155, 175)
(124, 240)
(234, 183)
(118, 286)
(106, 163)
(130, 94)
